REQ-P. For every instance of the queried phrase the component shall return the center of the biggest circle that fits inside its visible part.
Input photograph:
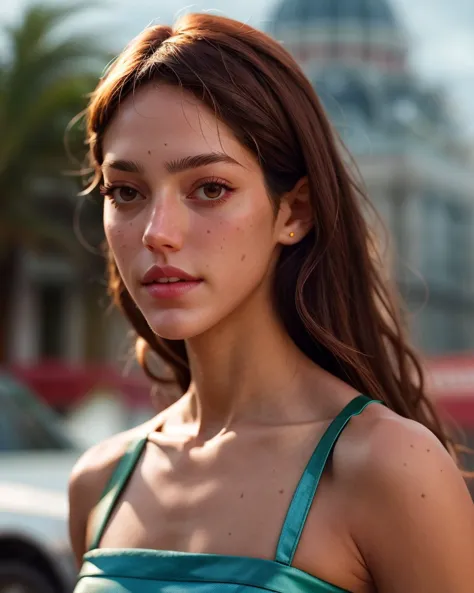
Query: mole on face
(208, 232)
(243, 257)
(149, 152)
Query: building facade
(415, 171)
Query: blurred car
(36, 458)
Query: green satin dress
(158, 571)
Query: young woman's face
(185, 201)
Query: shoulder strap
(306, 489)
(114, 488)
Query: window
(51, 314)
(446, 243)
(458, 246)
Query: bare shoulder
(89, 477)
(403, 482)
(381, 448)
(94, 468)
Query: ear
(295, 217)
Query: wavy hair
(330, 289)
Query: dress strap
(114, 488)
(306, 489)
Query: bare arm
(414, 523)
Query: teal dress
(160, 571)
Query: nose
(166, 226)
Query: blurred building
(416, 172)
(60, 311)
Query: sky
(441, 33)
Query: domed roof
(367, 12)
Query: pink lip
(159, 290)
(170, 291)
(156, 273)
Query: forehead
(168, 120)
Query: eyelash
(106, 190)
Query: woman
(240, 255)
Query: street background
(396, 78)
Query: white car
(36, 458)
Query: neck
(246, 370)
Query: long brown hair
(329, 289)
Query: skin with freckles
(220, 466)
(171, 217)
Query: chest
(230, 500)
(195, 498)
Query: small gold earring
(292, 234)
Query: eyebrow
(175, 166)
(122, 165)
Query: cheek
(121, 235)
(109, 221)
(237, 240)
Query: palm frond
(44, 82)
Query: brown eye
(125, 194)
(212, 191)
(120, 194)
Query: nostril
(148, 245)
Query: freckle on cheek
(243, 257)
(208, 232)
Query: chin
(177, 325)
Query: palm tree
(45, 77)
